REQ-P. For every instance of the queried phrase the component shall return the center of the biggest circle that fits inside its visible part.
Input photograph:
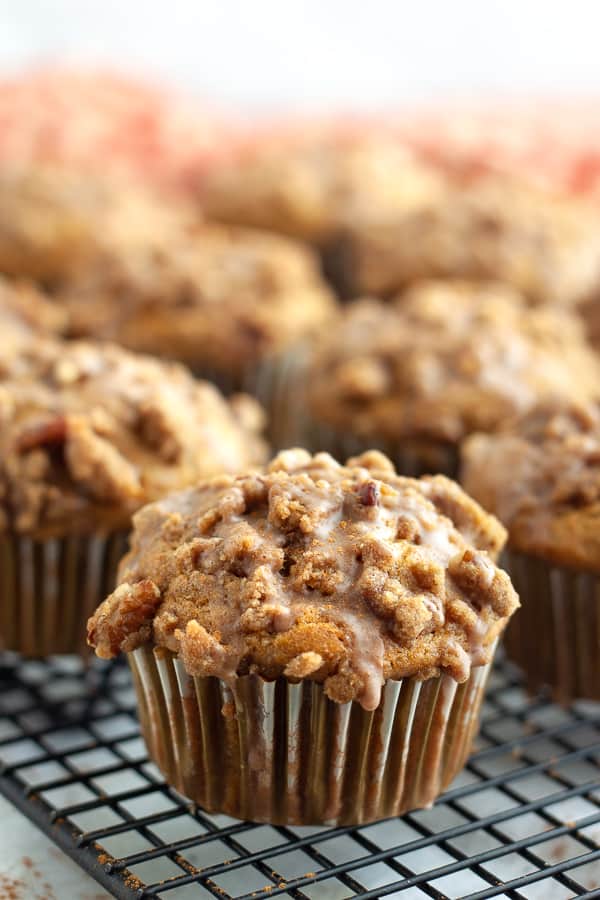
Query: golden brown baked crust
(443, 360)
(541, 476)
(309, 187)
(90, 432)
(548, 247)
(308, 569)
(224, 298)
(52, 220)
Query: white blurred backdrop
(320, 54)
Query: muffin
(541, 476)
(52, 221)
(226, 301)
(89, 433)
(95, 121)
(546, 246)
(310, 643)
(415, 376)
(310, 185)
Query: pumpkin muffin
(52, 220)
(541, 476)
(226, 301)
(447, 358)
(294, 628)
(546, 246)
(99, 121)
(310, 185)
(88, 434)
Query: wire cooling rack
(522, 820)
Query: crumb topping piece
(90, 432)
(443, 360)
(541, 476)
(346, 575)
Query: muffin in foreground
(546, 246)
(226, 301)
(414, 377)
(310, 642)
(89, 433)
(541, 476)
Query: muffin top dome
(222, 298)
(547, 246)
(88, 433)
(308, 185)
(541, 476)
(445, 359)
(346, 575)
(53, 220)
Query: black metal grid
(521, 821)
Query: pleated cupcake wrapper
(285, 753)
(409, 458)
(297, 427)
(267, 381)
(555, 638)
(49, 588)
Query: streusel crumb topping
(541, 476)
(445, 359)
(90, 432)
(347, 575)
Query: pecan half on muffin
(541, 476)
(415, 376)
(546, 246)
(54, 220)
(89, 433)
(310, 642)
(225, 301)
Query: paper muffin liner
(296, 426)
(267, 381)
(49, 588)
(282, 753)
(410, 457)
(555, 638)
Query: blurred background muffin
(89, 433)
(417, 375)
(52, 221)
(226, 301)
(544, 244)
(541, 476)
(100, 122)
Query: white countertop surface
(33, 868)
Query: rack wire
(521, 821)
